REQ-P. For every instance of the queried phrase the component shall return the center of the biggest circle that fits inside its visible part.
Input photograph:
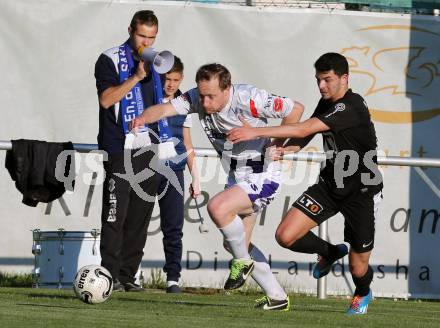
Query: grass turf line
(27, 307)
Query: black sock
(311, 244)
(363, 283)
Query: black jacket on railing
(32, 165)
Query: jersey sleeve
(186, 102)
(264, 104)
(105, 74)
(340, 116)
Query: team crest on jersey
(309, 204)
(339, 107)
(278, 104)
(269, 102)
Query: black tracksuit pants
(171, 223)
(126, 212)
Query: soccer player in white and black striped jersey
(253, 179)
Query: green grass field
(27, 307)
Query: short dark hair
(144, 17)
(209, 71)
(177, 66)
(332, 61)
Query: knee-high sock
(363, 283)
(311, 244)
(264, 276)
(236, 239)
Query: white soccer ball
(93, 284)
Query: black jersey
(111, 134)
(351, 131)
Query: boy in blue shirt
(171, 201)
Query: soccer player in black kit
(350, 182)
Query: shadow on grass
(49, 306)
(202, 291)
(320, 309)
(177, 302)
(64, 297)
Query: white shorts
(260, 187)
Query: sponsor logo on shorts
(254, 187)
(309, 204)
(365, 245)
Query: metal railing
(397, 6)
(318, 157)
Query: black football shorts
(359, 211)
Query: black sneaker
(240, 270)
(132, 287)
(117, 286)
(323, 266)
(174, 289)
(266, 303)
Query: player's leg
(136, 224)
(295, 225)
(171, 223)
(362, 275)
(223, 209)
(360, 214)
(248, 224)
(115, 200)
(276, 298)
(312, 208)
(251, 193)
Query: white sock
(171, 283)
(236, 239)
(264, 276)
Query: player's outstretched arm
(295, 130)
(294, 145)
(293, 117)
(153, 114)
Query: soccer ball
(93, 284)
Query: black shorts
(359, 210)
